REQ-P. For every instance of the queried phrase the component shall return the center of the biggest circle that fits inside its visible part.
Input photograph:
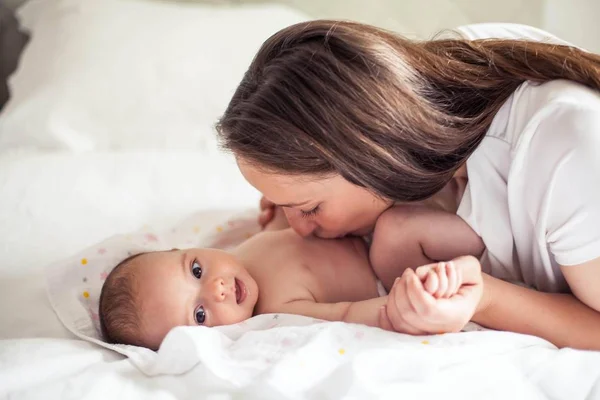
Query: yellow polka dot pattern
(425, 342)
(83, 261)
(342, 352)
(86, 295)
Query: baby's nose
(218, 289)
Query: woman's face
(327, 207)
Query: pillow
(131, 74)
(12, 41)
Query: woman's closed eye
(196, 269)
(310, 213)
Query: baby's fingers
(442, 288)
(431, 283)
(422, 272)
(421, 301)
(453, 283)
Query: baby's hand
(433, 299)
(442, 281)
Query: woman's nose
(303, 226)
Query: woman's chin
(340, 235)
(362, 232)
(329, 235)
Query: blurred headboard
(415, 18)
(12, 3)
(12, 42)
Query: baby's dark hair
(118, 311)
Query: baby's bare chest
(322, 271)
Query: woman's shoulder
(550, 106)
(566, 108)
(555, 134)
(500, 30)
(566, 93)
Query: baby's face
(191, 287)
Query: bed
(109, 128)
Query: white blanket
(297, 359)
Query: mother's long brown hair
(393, 115)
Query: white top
(533, 193)
(534, 183)
(508, 31)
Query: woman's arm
(562, 319)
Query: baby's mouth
(240, 291)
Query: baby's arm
(412, 235)
(440, 281)
(360, 312)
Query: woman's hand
(267, 212)
(436, 298)
(272, 217)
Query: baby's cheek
(229, 315)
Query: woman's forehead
(265, 180)
(281, 188)
(256, 173)
(294, 192)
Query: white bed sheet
(53, 205)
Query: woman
(338, 121)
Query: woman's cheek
(340, 222)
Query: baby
(275, 271)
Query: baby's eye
(200, 315)
(196, 269)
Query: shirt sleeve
(568, 153)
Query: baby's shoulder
(401, 217)
(282, 272)
(276, 293)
